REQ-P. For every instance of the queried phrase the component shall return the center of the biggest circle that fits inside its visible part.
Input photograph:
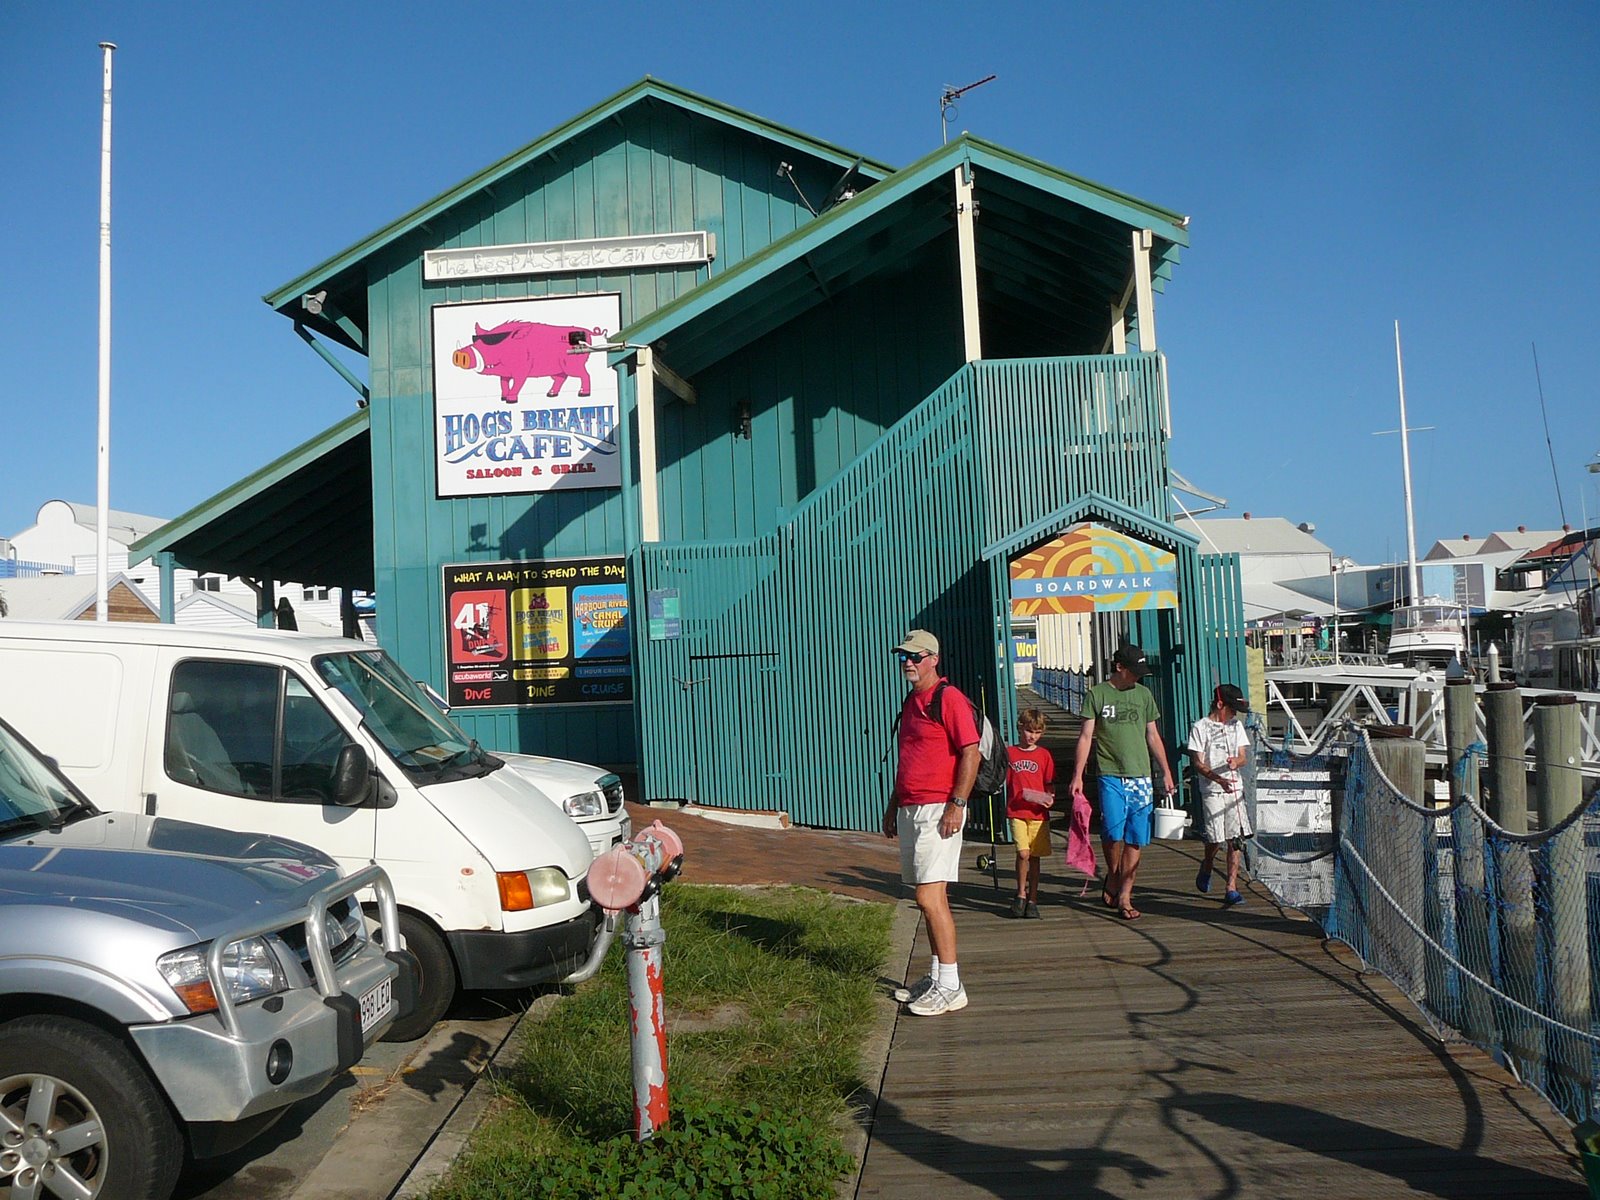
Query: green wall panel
(656, 168)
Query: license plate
(376, 1003)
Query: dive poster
(551, 631)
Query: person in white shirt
(1218, 746)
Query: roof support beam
(675, 383)
(327, 357)
(967, 248)
(1143, 240)
(644, 382)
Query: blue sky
(1343, 165)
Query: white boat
(1429, 631)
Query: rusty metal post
(627, 879)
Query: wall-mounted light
(741, 419)
(313, 302)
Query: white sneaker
(916, 991)
(938, 1001)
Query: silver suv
(166, 986)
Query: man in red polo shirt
(938, 761)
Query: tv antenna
(947, 103)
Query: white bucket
(1169, 822)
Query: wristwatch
(958, 801)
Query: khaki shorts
(1031, 835)
(1226, 817)
(925, 857)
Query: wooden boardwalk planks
(1196, 1053)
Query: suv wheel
(79, 1116)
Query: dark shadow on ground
(1083, 1173)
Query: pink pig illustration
(518, 351)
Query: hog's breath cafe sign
(519, 404)
(552, 631)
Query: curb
(879, 1040)
(440, 1151)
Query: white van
(329, 742)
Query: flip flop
(1129, 914)
(1105, 898)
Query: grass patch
(769, 994)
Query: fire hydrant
(627, 879)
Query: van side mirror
(352, 776)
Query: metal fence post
(1564, 889)
(1466, 830)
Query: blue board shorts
(1125, 804)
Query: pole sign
(551, 631)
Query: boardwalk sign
(1092, 568)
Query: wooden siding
(655, 168)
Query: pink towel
(1080, 847)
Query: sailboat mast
(1415, 596)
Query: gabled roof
(1047, 240)
(1519, 539)
(1252, 535)
(306, 516)
(328, 273)
(63, 597)
(1454, 548)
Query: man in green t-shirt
(1119, 726)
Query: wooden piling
(1398, 840)
(1475, 1019)
(1507, 787)
(1564, 931)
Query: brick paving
(866, 866)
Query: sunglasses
(911, 656)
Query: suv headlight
(249, 968)
(588, 804)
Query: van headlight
(250, 970)
(522, 890)
(587, 804)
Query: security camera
(577, 337)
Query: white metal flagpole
(103, 456)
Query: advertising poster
(515, 409)
(553, 631)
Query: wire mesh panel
(1489, 932)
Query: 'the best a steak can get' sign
(515, 409)
(550, 631)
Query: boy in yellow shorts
(1030, 793)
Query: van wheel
(79, 1116)
(437, 986)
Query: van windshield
(426, 744)
(32, 796)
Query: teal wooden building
(817, 429)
